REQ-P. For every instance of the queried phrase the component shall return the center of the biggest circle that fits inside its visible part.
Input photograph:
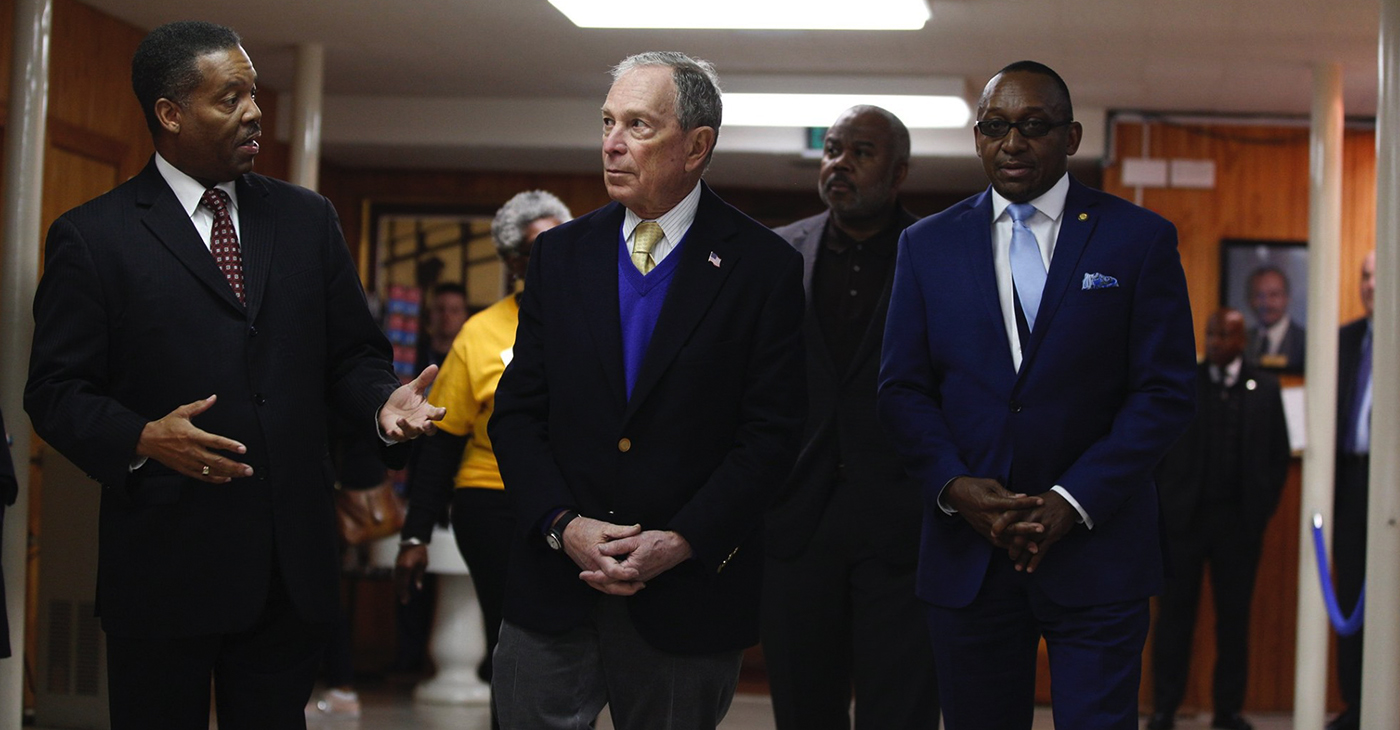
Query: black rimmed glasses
(1029, 128)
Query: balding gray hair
(508, 227)
(899, 134)
(698, 101)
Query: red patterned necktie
(223, 241)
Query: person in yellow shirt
(460, 455)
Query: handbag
(366, 515)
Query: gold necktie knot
(643, 239)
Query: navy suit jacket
(701, 447)
(1105, 387)
(133, 319)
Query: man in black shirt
(839, 611)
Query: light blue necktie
(1027, 269)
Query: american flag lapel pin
(714, 259)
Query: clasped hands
(1025, 526)
(620, 559)
(176, 442)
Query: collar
(1278, 330)
(188, 190)
(1051, 204)
(1231, 374)
(674, 222)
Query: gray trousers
(561, 682)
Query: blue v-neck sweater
(639, 299)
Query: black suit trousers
(1349, 557)
(1233, 554)
(838, 618)
(263, 675)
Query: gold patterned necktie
(643, 239)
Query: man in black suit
(200, 293)
(1352, 484)
(650, 413)
(1219, 485)
(839, 611)
(9, 491)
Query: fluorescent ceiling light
(820, 110)
(749, 14)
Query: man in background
(1277, 342)
(447, 312)
(1219, 486)
(1354, 344)
(844, 541)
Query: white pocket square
(1099, 281)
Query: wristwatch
(555, 538)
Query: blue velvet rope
(1345, 625)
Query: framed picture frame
(1268, 282)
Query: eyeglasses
(1029, 128)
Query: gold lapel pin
(1084, 216)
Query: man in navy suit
(651, 410)
(193, 330)
(1038, 361)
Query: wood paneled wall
(1261, 192)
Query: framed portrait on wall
(1268, 282)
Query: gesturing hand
(994, 512)
(175, 442)
(407, 414)
(584, 539)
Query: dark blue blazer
(702, 446)
(1105, 387)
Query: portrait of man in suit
(843, 540)
(194, 329)
(1277, 341)
(1038, 362)
(1219, 486)
(651, 410)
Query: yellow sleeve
(453, 389)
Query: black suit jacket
(133, 319)
(1264, 453)
(1349, 340)
(842, 437)
(702, 445)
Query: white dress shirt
(189, 192)
(674, 225)
(1045, 224)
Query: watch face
(553, 541)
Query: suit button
(625, 445)
(252, 331)
(259, 399)
(1015, 406)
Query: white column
(306, 115)
(24, 185)
(1319, 456)
(1380, 669)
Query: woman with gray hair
(460, 455)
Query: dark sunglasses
(1029, 128)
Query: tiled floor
(392, 709)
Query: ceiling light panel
(820, 110)
(749, 14)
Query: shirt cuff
(136, 463)
(1084, 517)
(943, 506)
(379, 430)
